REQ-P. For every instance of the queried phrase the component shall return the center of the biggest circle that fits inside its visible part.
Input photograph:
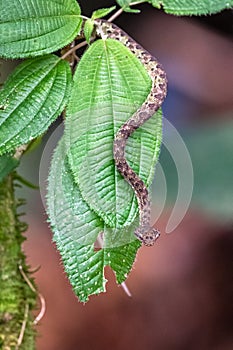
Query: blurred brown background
(182, 288)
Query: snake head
(147, 235)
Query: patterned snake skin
(145, 233)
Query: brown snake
(145, 233)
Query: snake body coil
(153, 102)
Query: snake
(107, 30)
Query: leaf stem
(119, 12)
(76, 47)
(112, 18)
(26, 182)
(116, 14)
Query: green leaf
(32, 98)
(155, 3)
(88, 29)
(37, 27)
(69, 214)
(83, 266)
(72, 221)
(102, 12)
(121, 259)
(75, 229)
(110, 84)
(195, 7)
(7, 165)
(130, 10)
(182, 7)
(89, 23)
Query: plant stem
(119, 12)
(115, 15)
(112, 18)
(16, 298)
(76, 47)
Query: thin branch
(115, 15)
(25, 277)
(76, 57)
(26, 182)
(42, 309)
(22, 331)
(112, 18)
(126, 289)
(41, 297)
(73, 49)
(35, 269)
(119, 12)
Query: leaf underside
(76, 226)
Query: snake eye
(150, 237)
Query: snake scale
(104, 29)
